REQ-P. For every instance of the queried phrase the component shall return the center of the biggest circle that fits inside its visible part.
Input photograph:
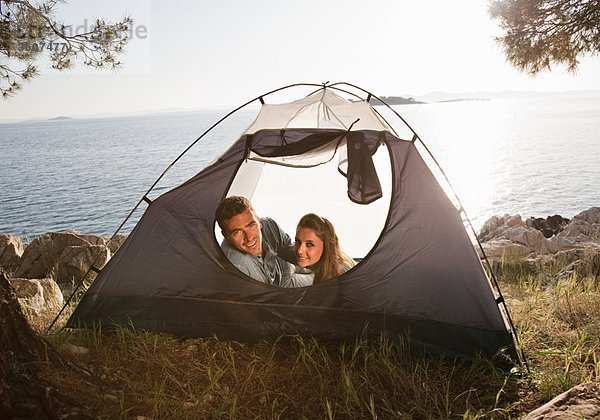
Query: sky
(221, 53)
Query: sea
(535, 156)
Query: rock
(532, 239)
(11, 250)
(41, 255)
(582, 231)
(76, 350)
(549, 226)
(115, 243)
(63, 255)
(497, 248)
(587, 265)
(41, 297)
(75, 261)
(495, 226)
(519, 240)
(563, 243)
(590, 216)
(580, 402)
(534, 264)
(565, 257)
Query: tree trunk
(23, 391)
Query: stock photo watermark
(133, 32)
(119, 40)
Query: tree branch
(26, 29)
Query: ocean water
(531, 156)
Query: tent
(419, 276)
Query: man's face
(243, 232)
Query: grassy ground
(146, 375)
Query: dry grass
(135, 373)
(159, 376)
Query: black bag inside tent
(420, 278)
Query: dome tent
(420, 276)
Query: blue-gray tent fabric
(422, 278)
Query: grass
(159, 376)
(148, 375)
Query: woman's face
(309, 247)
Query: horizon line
(173, 110)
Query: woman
(317, 248)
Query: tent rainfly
(419, 277)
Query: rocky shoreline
(45, 271)
(573, 245)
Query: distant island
(465, 99)
(391, 100)
(62, 117)
(395, 100)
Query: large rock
(11, 250)
(587, 265)
(41, 297)
(113, 245)
(41, 256)
(496, 225)
(62, 255)
(582, 231)
(580, 402)
(509, 234)
(75, 261)
(549, 226)
(530, 238)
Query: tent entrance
(286, 188)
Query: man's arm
(280, 241)
(294, 276)
(299, 280)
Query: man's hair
(230, 207)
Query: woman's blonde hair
(328, 266)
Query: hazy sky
(191, 54)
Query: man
(253, 245)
